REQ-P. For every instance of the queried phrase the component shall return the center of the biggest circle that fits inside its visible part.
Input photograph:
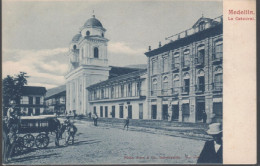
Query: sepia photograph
(112, 82)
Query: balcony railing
(117, 96)
(200, 88)
(191, 31)
(175, 67)
(185, 90)
(217, 87)
(186, 65)
(199, 62)
(175, 91)
(217, 58)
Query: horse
(70, 131)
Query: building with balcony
(185, 75)
(55, 99)
(32, 100)
(120, 97)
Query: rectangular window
(176, 62)
(112, 92)
(219, 51)
(122, 90)
(37, 111)
(201, 83)
(101, 111)
(154, 67)
(121, 113)
(30, 100)
(140, 111)
(95, 110)
(186, 85)
(106, 111)
(186, 60)
(38, 100)
(165, 64)
(138, 88)
(113, 111)
(130, 89)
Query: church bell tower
(88, 64)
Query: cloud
(35, 53)
(123, 48)
(45, 67)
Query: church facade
(88, 64)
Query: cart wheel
(28, 140)
(19, 145)
(42, 141)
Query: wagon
(34, 130)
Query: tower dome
(93, 22)
(76, 38)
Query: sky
(36, 34)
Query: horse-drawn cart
(34, 130)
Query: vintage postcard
(128, 82)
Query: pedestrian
(12, 134)
(74, 113)
(204, 116)
(212, 151)
(95, 118)
(11, 110)
(126, 123)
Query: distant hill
(139, 66)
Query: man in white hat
(212, 151)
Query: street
(108, 145)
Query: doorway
(165, 112)
(175, 112)
(130, 111)
(199, 110)
(154, 111)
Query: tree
(12, 88)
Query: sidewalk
(195, 131)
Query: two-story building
(55, 99)
(120, 97)
(32, 100)
(185, 75)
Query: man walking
(126, 123)
(95, 118)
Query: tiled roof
(33, 90)
(120, 78)
(117, 71)
(56, 91)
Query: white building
(88, 64)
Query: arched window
(186, 58)
(201, 81)
(95, 52)
(102, 34)
(74, 47)
(165, 85)
(87, 33)
(186, 82)
(218, 79)
(176, 84)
